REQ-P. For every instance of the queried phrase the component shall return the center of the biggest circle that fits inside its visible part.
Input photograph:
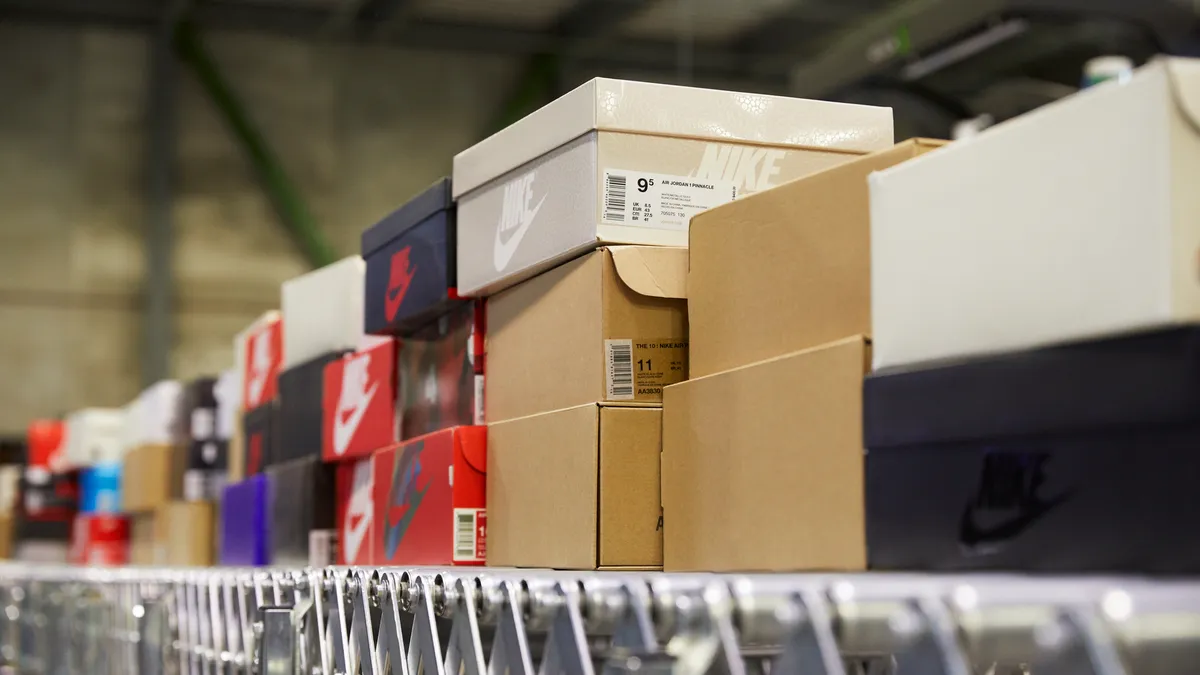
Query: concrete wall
(359, 129)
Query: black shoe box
(197, 419)
(259, 435)
(1078, 458)
(302, 500)
(301, 414)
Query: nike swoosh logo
(343, 430)
(504, 251)
(356, 531)
(258, 382)
(395, 295)
(972, 535)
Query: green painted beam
(537, 87)
(293, 212)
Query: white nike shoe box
(94, 436)
(629, 163)
(150, 418)
(323, 311)
(1076, 221)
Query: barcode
(614, 197)
(620, 369)
(464, 534)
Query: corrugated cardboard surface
(575, 488)
(762, 466)
(545, 341)
(785, 269)
(153, 475)
(177, 534)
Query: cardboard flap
(473, 442)
(1184, 75)
(654, 271)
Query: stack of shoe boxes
(762, 447)
(166, 524)
(573, 222)
(408, 409)
(258, 357)
(95, 447)
(48, 494)
(1036, 300)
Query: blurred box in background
(153, 475)
(410, 258)
(94, 435)
(260, 434)
(355, 494)
(245, 522)
(258, 357)
(322, 312)
(359, 403)
(100, 488)
(301, 423)
(430, 503)
(302, 501)
(45, 442)
(441, 373)
(576, 489)
(175, 534)
(99, 539)
(610, 326)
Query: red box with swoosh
(263, 359)
(359, 403)
(354, 488)
(430, 500)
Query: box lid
(1140, 380)
(653, 271)
(668, 110)
(435, 198)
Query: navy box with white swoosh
(410, 257)
(1076, 458)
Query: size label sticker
(637, 370)
(470, 535)
(661, 201)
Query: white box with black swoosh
(618, 162)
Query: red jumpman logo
(398, 282)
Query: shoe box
(762, 465)
(45, 441)
(177, 534)
(246, 522)
(1076, 221)
(301, 402)
(441, 373)
(429, 499)
(152, 417)
(302, 502)
(617, 162)
(260, 354)
(94, 435)
(99, 540)
(100, 489)
(323, 312)
(410, 259)
(154, 475)
(1070, 459)
(354, 491)
(763, 282)
(576, 489)
(608, 326)
(260, 434)
(205, 452)
(47, 497)
(359, 403)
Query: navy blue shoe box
(1079, 458)
(410, 257)
(300, 424)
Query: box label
(470, 535)
(322, 548)
(659, 201)
(637, 370)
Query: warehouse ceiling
(932, 60)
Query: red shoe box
(359, 403)
(430, 505)
(263, 359)
(355, 491)
(99, 539)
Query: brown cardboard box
(6, 536)
(785, 269)
(551, 340)
(152, 476)
(176, 534)
(762, 466)
(576, 488)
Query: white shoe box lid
(1076, 221)
(323, 311)
(95, 435)
(150, 417)
(561, 156)
(228, 392)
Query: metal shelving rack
(462, 621)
